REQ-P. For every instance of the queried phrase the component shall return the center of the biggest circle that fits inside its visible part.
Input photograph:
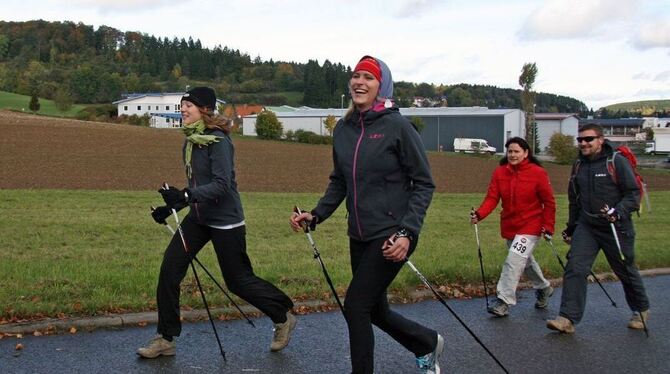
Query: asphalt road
(602, 343)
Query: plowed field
(42, 152)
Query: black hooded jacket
(380, 167)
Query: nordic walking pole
(644, 324)
(481, 262)
(551, 244)
(441, 299)
(170, 229)
(646, 196)
(197, 279)
(317, 255)
(616, 239)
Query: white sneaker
(429, 364)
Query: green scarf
(195, 134)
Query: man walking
(600, 215)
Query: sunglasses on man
(587, 139)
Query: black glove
(160, 214)
(174, 198)
(548, 235)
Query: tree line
(73, 61)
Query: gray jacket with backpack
(592, 186)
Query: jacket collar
(523, 165)
(370, 116)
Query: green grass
(92, 252)
(18, 102)
(647, 107)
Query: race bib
(523, 245)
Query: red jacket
(528, 203)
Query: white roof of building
(554, 116)
(135, 96)
(455, 111)
(440, 111)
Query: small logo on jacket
(601, 175)
(376, 136)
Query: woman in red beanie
(381, 169)
(528, 212)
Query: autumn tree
(330, 123)
(526, 81)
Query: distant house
(244, 110)
(163, 108)
(550, 123)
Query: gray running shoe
(499, 308)
(543, 296)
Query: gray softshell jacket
(380, 167)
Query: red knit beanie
(370, 65)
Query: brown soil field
(51, 153)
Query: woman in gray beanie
(381, 169)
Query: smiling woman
(381, 169)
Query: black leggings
(366, 303)
(231, 252)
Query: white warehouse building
(441, 125)
(550, 123)
(163, 108)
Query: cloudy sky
(598, 51)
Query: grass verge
(93, 252)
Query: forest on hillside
(74, 61)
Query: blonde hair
(215, 121)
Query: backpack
(611, 169)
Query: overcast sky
(598, 51)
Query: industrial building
(440, 125)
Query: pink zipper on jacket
(358, 144)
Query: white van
(471, 145)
